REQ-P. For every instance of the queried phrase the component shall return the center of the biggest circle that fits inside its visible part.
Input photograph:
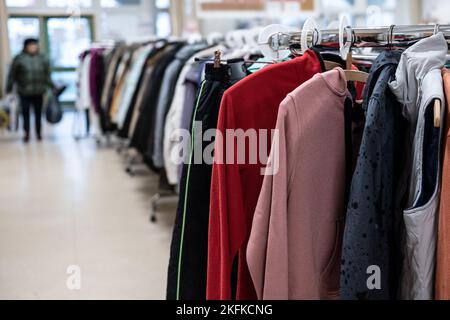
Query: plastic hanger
(215, 38)
(251, 39)
(194, 38)
(229, 40)
(269, 35)
(310, 27)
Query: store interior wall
(137, 19)
(4, 47)
(135, 22)
(399, 12)
(126, 22)
(177, 8)
(436, 11)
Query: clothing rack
(373, 57)
(388, 36)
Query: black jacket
(123, 132)
(189, 248)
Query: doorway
(62, 39)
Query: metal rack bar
(361, 37)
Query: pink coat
(294, 250)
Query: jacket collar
(417, 62)
(386, 58)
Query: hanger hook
(293, 50)
(345, 46)
(390, 39)
(316, 37)
(310, 27)
(437, 26)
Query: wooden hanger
(330, 65)
(354, 75)
(437, 113)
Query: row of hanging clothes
(133, 88)
(94, 87)
(357, 187)
(352, 201)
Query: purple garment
(192, 83)
(95, 77)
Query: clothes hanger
(270, 35)
(194, 38)
(346, 53)
(312, 31)
(229, 39)
(354, 75)
(437, 102)
(251, 38)
(217, 59)
(215, 38)
(330, 65)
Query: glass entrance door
(62, 38)
(66, 39)
(21, 28)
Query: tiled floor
(66, 203)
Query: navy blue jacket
(370, 233)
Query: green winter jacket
(31, 73)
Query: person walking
(30, 71)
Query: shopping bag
(53, 111)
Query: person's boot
(39, 137)
(26, 138)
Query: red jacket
(250, 104)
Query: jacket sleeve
(226, 209)
(12, 74)
(267, 251)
